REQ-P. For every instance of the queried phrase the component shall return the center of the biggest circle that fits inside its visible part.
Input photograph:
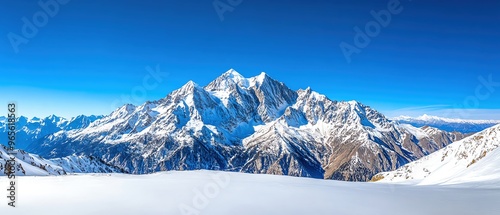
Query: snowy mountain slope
(447, 124)
(33, 165)
(84, 164)
(473, 158)
(225, 193)
(28, 164)
(255, 125)
(31, 130)
(485, 170)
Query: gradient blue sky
(427, 60)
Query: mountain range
(447, 124)
(29, 131)
(252, 125)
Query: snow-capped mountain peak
(236, 77)
(189, 87)
(228, 80)
(259, 79)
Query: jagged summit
(230, 79)
(261, 77)
(190, 85)
(232, 74)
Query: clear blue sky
(90, 53)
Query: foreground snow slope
(210, 192)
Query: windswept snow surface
(220, 193)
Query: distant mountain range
(447, 124)
(253, 125)
(29, 131)
(475, 158)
